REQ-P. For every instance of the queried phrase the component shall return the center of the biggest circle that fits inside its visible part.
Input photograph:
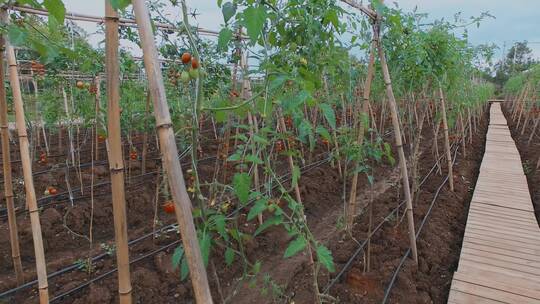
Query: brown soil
(530, 153)
(155, 281)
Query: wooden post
(145, 135)
(447, 141)
(116, 160)
(399, 144)
(24, 148)
(315, 285)
(8, 183)
(169, 151)
(351, 210)
(97, 83)
(252, 120)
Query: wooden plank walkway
(500, 255)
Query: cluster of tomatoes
(191, 70)
(288, 122)
(234, 94)
(452, 138)
(42, 158)
(280, 146)
(133, 155)
(51, 191)
(92, 88)
(38, 68)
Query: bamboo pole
(8, 183)
(145, 135)
(351, 210)
(116, 160)
(31, 201)
(169, 150)
(97, 83)
(315, 285)
(399, 144)
(446, 141)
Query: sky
(515, 20)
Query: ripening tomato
(168, 207)
(52, 190)
(279, 146)
(80, 84)
(194, 63)
(186, 57)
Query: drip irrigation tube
(304, 169)
(377, 228)
(424, 220)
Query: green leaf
(329, 114)
(229, 256)
(261, 140)
(331, 17)
(277, 82)
(295, 246)
(225, 36)
(242, 184)
(254, 159)
(275, 220)
(177, 256)
(295, 175)
(258, 208)
(205, 243)
(184, 269)
(16, 35)
(56, 9)
(296, 100)
(120, 4)
(228, 9)
(325, 258)
(323, 132)
(254, 18)
(219, 219)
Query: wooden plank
(491, 293)
(500, 254)
(466, 265)
(496, 241)
(529, 286)
(503, 251)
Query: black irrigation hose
(424, 220)
(377, 228)
(61, 296)
(304, 169)
(64, 196)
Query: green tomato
(194, 73)
(184, 76)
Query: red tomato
(168, 207)
(194, 63)
(186, 57)
(52, 190)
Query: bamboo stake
(399, 144)
(446, 141)
(351, 210)
(169, 150)
(31, 201)
(97, 83)
(116, 160)
(8, 183)
(145, 135)
(315, 285)
(252, 120)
